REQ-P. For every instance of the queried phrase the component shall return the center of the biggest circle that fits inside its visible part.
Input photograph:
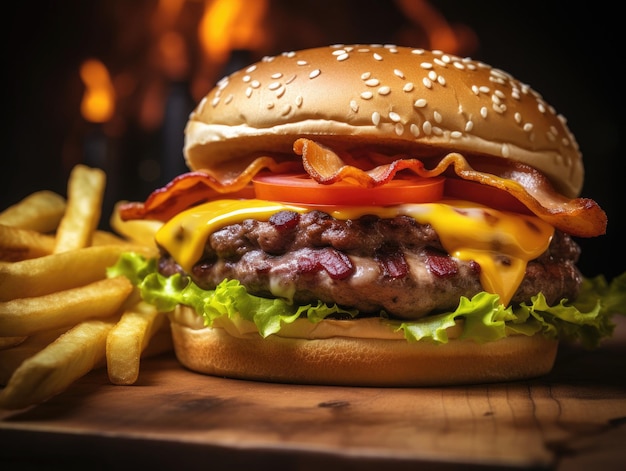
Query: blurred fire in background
(111, 83)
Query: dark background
(572, 55)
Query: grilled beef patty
(372, 264)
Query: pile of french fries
(60, 316)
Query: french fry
(21, 244)
(40, 211)
(128, 339)
(85, 191)
(12, 358)
(26, 316)
(54, 368)
(139, 231)
(59, 272)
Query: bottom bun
(352, 361)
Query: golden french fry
(59, 272)
(54, 368)
(40, 211)
(12, 358)
(26, 316)
(21, 244)
(139, 231)
(128, 339)
(85, 192)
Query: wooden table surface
(572, 419)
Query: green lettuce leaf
(482, 317)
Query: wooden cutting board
(574, 418)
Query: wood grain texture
(574, 418)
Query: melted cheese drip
(502, 243)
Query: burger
(376, 216)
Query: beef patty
(371, 264)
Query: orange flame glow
(98, 104)
(230, 24)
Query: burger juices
(374, 215)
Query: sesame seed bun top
(411, 99)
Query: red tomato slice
(301, 189)
(484, 194)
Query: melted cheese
(502, 243)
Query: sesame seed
(456, 134)
(229, 98)
(249, 92)
(399, 129)
(372, 82)
(439, 62)
(286, 110)
(432, 75)
(252, 68)
(421, 103)
(437, 131)
(475, 90)
(437, 116)
(385, 90)
(315, 73)
(377, 56)
(276, 76)
(483, 112)
(354, 106)
(427, 127)
(441, 81)
(280, 92)
(255, 84)
(366, 75)
(367, 95)
(301, 62)
(427, 83)
(338, 52)
(415, 130)
(274, 86)
(484, 89)
(376, 118)
(518, 117)
(342, 57)
(395, 117)
(528, 127)
(246, 79)
(458, 65)
(426, 65)
(215, 101)
(506, 151)
(541, 107)
(398, 73)
(469, 126)
(299, 101)
(290, 79)
(408, 87)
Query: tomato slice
(302, 189)
(484, 194)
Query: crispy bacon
(579, 216)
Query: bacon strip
(580, 216)
(193, 188)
